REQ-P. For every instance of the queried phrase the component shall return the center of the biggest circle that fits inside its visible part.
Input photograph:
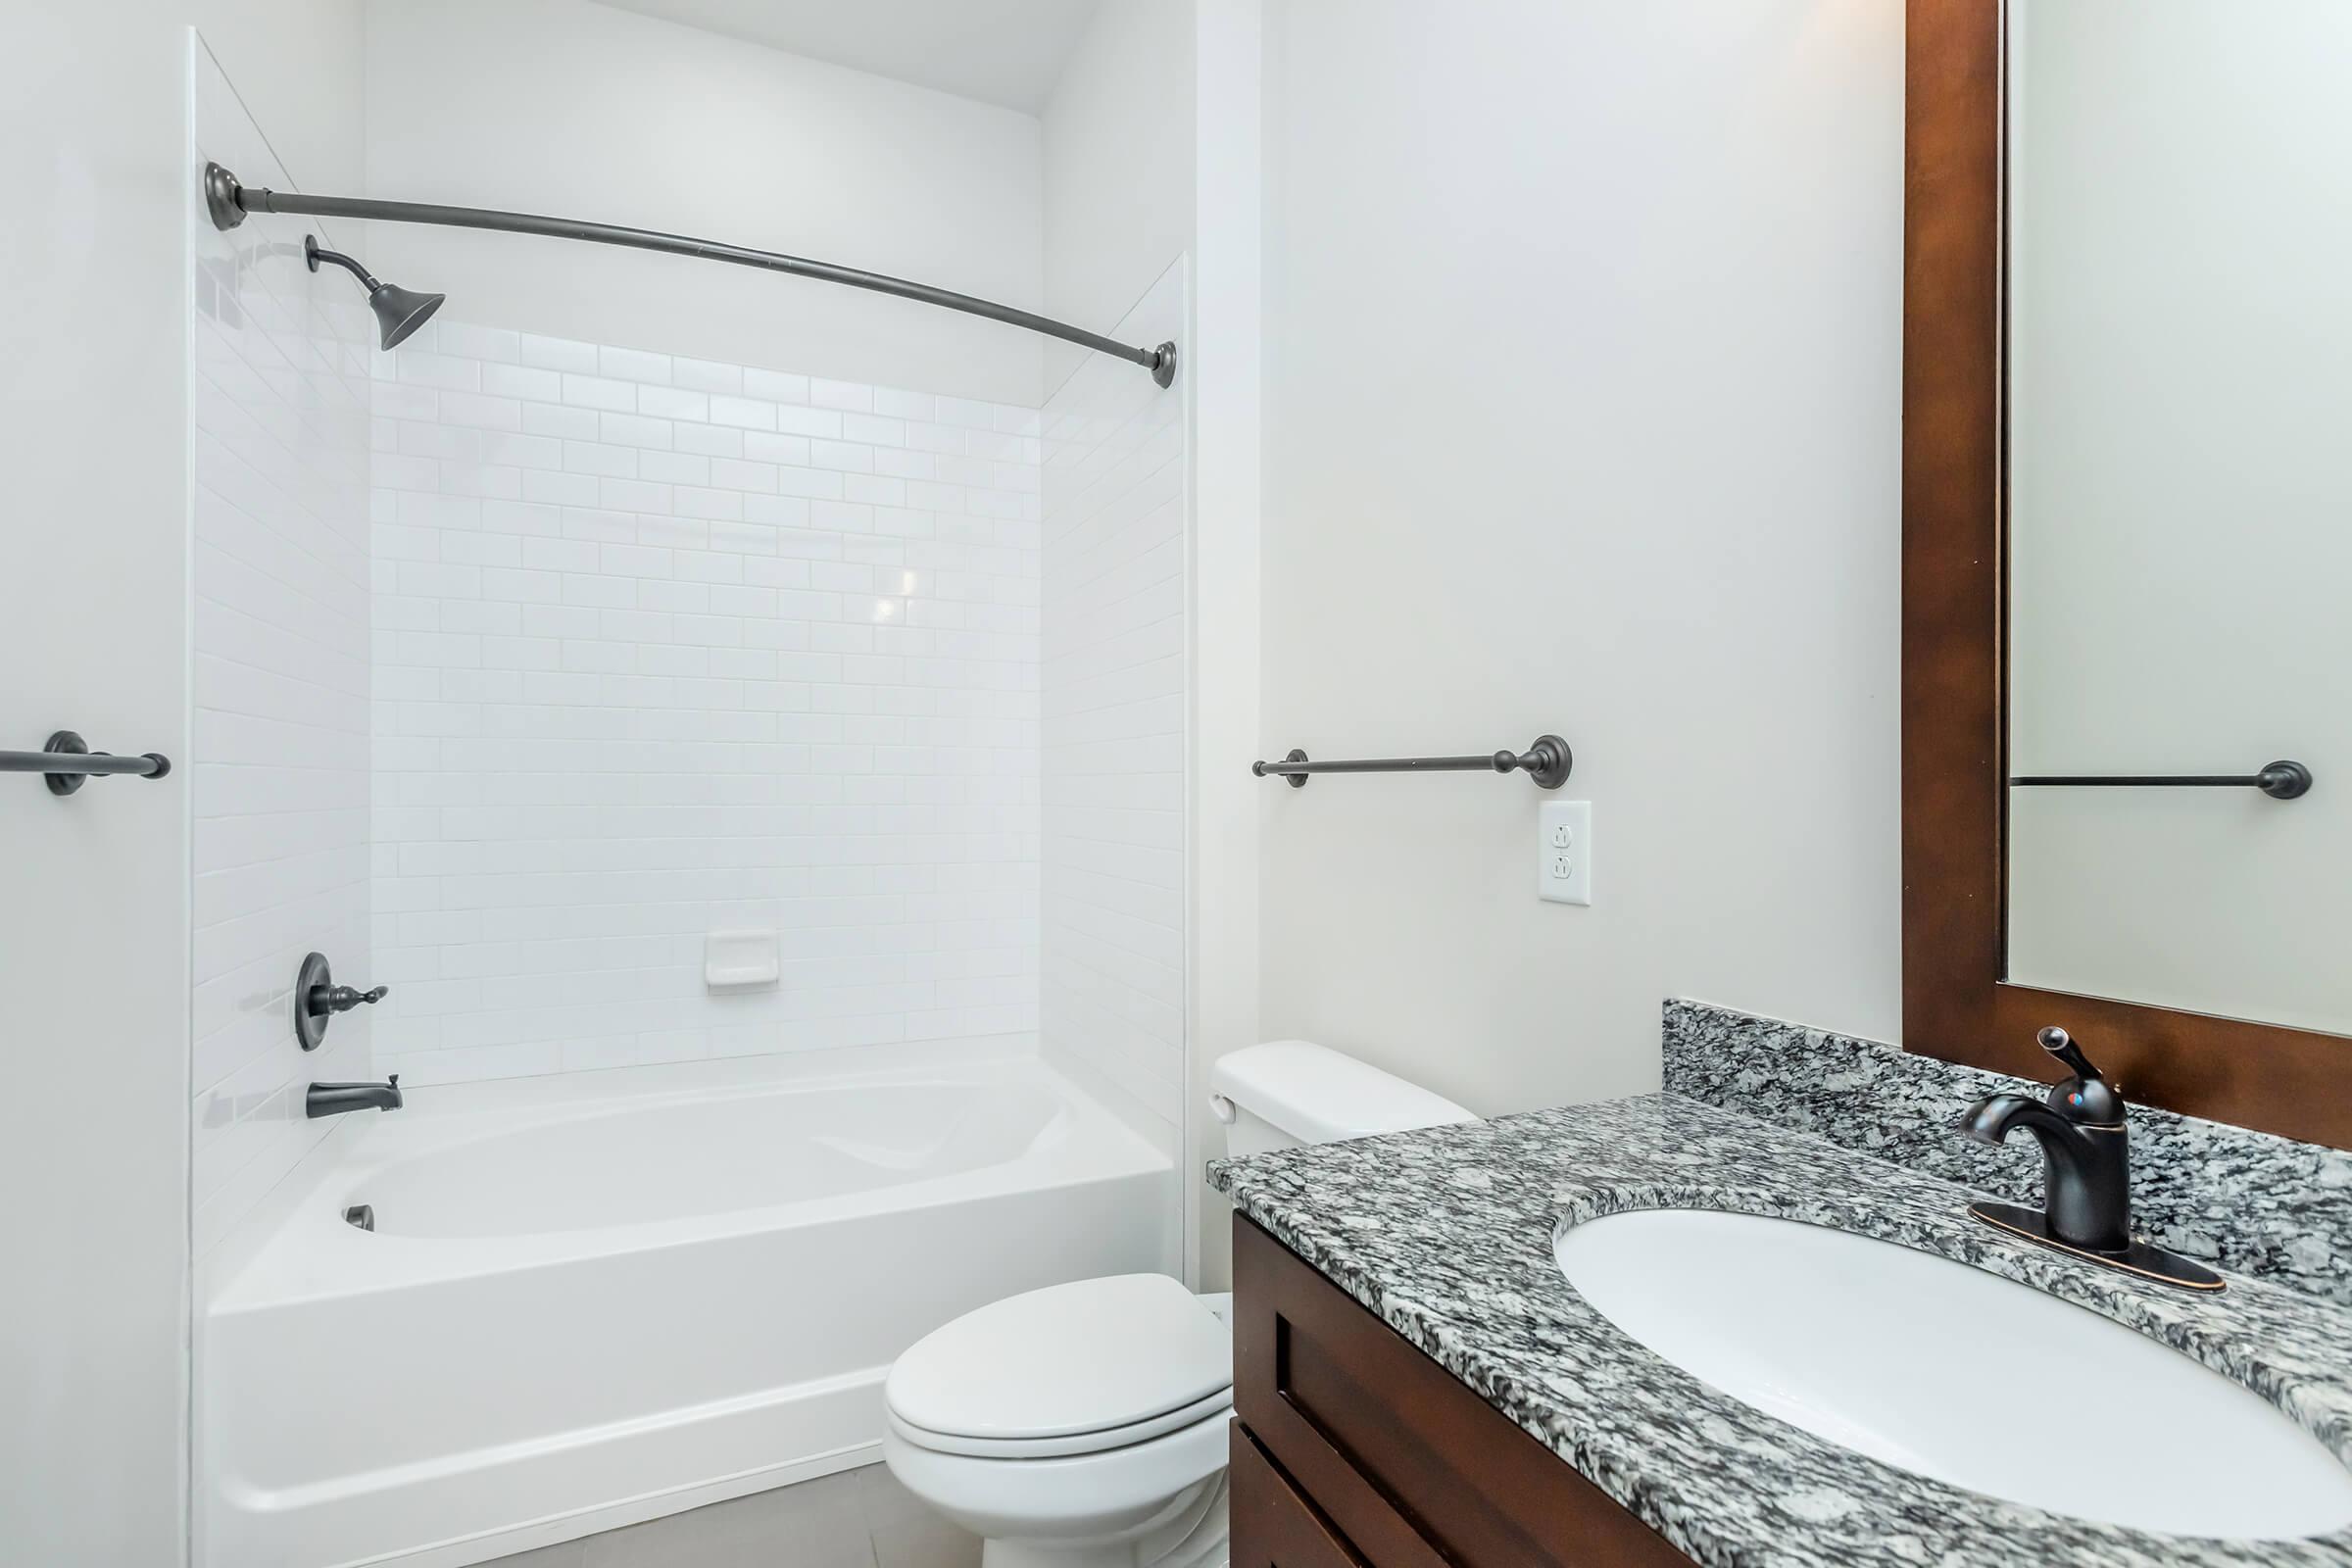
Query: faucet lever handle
(342, 998)
(2085, 1097)
(2060, 1045)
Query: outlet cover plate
(1564, 852)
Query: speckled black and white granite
(2246, 1201)
(1447, 1233)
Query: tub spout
(333, 1099)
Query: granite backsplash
(2248, 1201)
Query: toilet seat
(1213, 1405)
(1073, 1369)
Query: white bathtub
(575, 1312)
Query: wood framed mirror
(1981, 331)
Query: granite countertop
(1447, 1233)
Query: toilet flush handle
(1222, 1108)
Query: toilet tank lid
(1319, 1096)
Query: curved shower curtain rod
(229, 201)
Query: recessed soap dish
(741, 961)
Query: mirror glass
(2179, 294)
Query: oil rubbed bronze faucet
(2086, 1171)
(334, 1100)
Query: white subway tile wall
(1115, 656)
(278, 393)
(664, 646)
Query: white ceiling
(1006, 52)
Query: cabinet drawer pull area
(1273, 1527)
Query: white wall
(668, 646)
(279, 759)
(94, 593)
(2177, 497)
(1582, 415)
(1117, 151)
(1115, 716)
(1136, 177)
(582, 111)
(1225, 386)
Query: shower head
(399, 312)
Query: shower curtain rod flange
(226, 201)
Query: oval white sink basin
(1954, 1373)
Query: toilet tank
(1287, 1092)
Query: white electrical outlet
(1564, 852)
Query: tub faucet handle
(342, 998)
(318, 999)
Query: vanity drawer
(1409, 1466)
(1273, 1527)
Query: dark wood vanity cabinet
(1352, 1448)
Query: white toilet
(1083, 1425)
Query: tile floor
(855, 1519)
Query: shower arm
(227, 202)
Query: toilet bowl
(1080, 1426)
(1085, 1425)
